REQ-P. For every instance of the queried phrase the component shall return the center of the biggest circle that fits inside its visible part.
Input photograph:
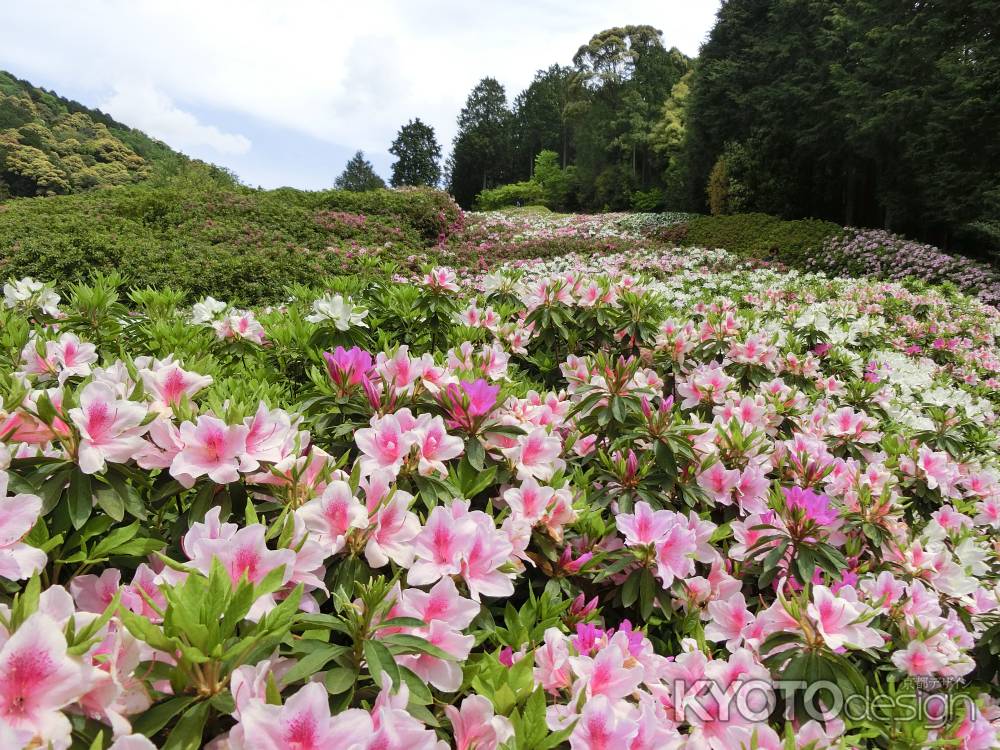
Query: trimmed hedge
(761, 236)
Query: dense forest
(865, 112)
(50, 145)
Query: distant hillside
(50, 145)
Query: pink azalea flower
(849, 425)
(170, 383)
(752, 489)
(245, 553)
(536, 455)
(143, 589)
(132, 742)
(393, 528)
(444, 674)
(441, 279)
(302, 723)
(607, 674)
(729, 621)
(110, 427)
(884, 591)
(719, 482)
(18, 514)
(214, 448)
(585, 445)
(475, 727)
(270, 435)
(600, 727)
(116, 691)
(94, 593)
(645, 526)
(66, 357)
(656, 730)
(810, 506)
(331, 516)
(398, 371)
(348, 368)
(837, 618)
(384, 445)
(552, 670)
(441, 546)
(394, 728)
(442, 602)
(988, 513)
(675, 555)
(489, 551)
(436, 445)
(917, 660)
(37, 679)
(530, 501)
(211, 528)
(239, 325)
(468, 403)
(164, 443)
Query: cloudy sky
(283, 92)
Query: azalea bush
(630, 498)
(884, 255)
(209, 239)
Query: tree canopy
(598, 115)
(359, 175)
(417, 156)
(51, 145)
(866, 112)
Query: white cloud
(346, 73)
(142, 106)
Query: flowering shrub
(230, 242)
(887, 256)
(633, 498)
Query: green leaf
(153, 719)
(380, 661)
(630, 591)
(476, 454)
(114, 540)
(647, 592)
(128, 494)
(804, 565)
(401, 622)
(80, 499)
(111, 503)
(186, 735)
(403, 643)
(419, 692)
(146, 631)
(340, 680)
(311, 663)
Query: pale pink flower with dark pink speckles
(37, 679)
(110, 428)
(169, 383)
(18, 514)
(214, 448)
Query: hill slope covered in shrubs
(50, 145)
(202, 237)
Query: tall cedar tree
(417, 156)
(359, 175)
(482, 152)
